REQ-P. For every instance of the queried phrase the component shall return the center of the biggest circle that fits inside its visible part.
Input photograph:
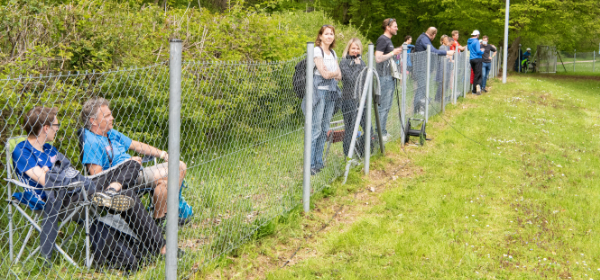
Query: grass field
(507, 188)
(580, 67)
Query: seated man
(105, 148)
(42, 166)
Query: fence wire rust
(242, 133)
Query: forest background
(59, 35)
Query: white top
(330, 63)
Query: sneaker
(385, 137)
(112, 200)
(478, 89)
(485, 90)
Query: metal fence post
(403, 109)
(455, 78)
(594, 62)
(519, 63)
(427, 82)
(368, 113)
(173, 164)
(574, 59)
(467, 73)
(444, 62)
(310, 65)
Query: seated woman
(40, 165)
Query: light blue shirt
(105, 151)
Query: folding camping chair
(32, 211)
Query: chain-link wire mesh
(577, 61)
(242, 128)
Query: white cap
(475, 32)
(528, 49)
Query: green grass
(580, 67)
(517, 201)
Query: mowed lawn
(507, 189)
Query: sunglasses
(327, 25)
(391, 21)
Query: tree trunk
(513, 54)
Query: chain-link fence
(242, 148)
(577, 61)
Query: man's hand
(396, 51)
(164, 156)
(450, 53)
(138, 159)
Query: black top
(385, 45)
(350, 73)
(486, 53)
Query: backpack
(299, 78)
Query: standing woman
(352, 65)
(326, 92)
(444, 46)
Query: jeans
(385, 101)
(486, 68)
(322, 113)
(476, 67)
(350, 112)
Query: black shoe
(112, 200)
(314, 171)
(476, 93)
(484, 90)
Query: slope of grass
(507, 189)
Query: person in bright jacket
(420, 69)
(475, 60)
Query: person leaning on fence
(326, 90)
(475, 60)
(455, 44)
(40, 165)
(423, 41)
(352, 66)
(105, 148)
(440, 76)
(486, 65)
(384, 51)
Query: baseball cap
(528, 49)
(475, 32)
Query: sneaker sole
(118, 203)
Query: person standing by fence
(420, 69)
(384, 51)
(487, 61)
(352, 66)
(326, 92)
(455, 44)
(475, 60)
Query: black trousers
(137, 218)
(476, 65)
(350, 113)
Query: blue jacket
(423, 41)
(410, 48)
(474, 48)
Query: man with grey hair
(105, 147)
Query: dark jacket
(350, 71)
(423, 41)
(486, 53)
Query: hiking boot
(112, 200)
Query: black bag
(115, 249)
(299, 78)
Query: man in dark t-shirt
(384, 51)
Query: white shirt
(330, 63)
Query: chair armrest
(68, 187)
